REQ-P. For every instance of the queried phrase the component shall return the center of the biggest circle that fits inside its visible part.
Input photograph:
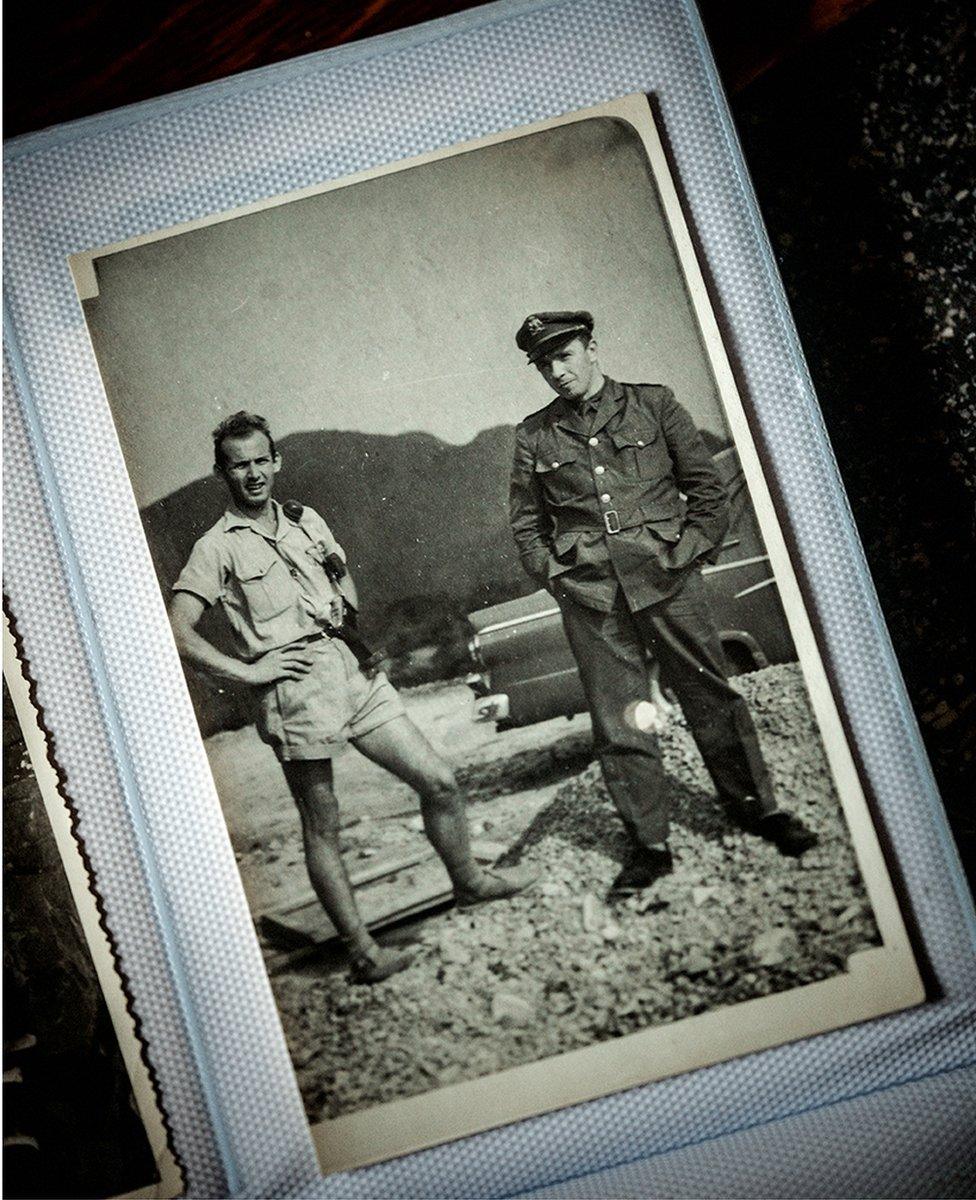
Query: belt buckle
(611, 519)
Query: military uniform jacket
(628, 500)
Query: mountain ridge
(424, 524)
(415, 515)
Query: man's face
(572, 369)
(248, 468)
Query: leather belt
(342, 633)
(614, 522)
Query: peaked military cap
(544, 332)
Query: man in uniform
(615, 505)
(278, 575)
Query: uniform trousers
(611, 650)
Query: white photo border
(877, 981)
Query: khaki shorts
(316, 715)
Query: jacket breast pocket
(266, 587)
(558, 474)
(641, 451)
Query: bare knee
(311, 787)
(320, 818)
(440, 787)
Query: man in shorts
(278, 575)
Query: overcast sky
(392, 305)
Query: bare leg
(311, 785)
(402, 749)
(405, 752)
(310, 782)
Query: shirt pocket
(641, 451)
(266, 587)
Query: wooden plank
(380, 907)
(398, 806)
(389, 864)
(373, 869)
(382, 904)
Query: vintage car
(526, 671)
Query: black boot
(644, 867)
(787, 833)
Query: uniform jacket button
(594, 441)
(605, 497)
(599, 470)
(555, 464)
(639, 442)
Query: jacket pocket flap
(668, 529)
(564, 542)
(633, 436)
(543, 465)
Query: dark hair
(239, 424)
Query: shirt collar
(233, 520)
(606, 401)
(576, 419)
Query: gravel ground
(557, 970)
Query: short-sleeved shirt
(273, 588)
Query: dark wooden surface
(71, 61)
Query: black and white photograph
(81, 1117)
(528, 758)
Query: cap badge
(534, 325)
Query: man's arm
(185, 611)
(708, 505)
(530, 521)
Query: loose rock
(515, 1010)
(454, 952)
(696, 964)
(592, 913)
(511, 983)
(773, 946)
